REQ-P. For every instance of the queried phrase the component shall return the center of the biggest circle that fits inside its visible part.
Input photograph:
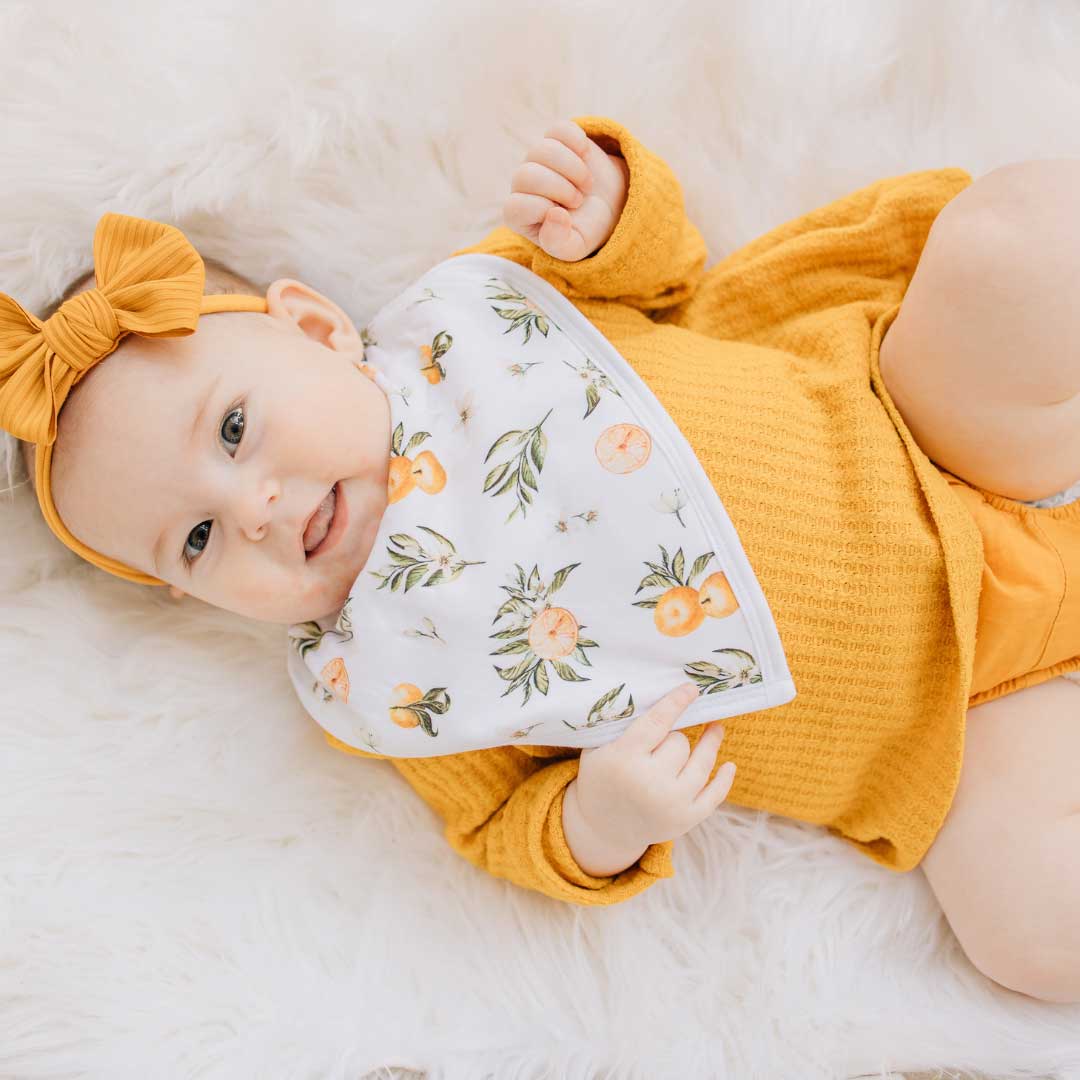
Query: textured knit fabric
(871, 565)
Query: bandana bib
(553, 558)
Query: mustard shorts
(1029, 608)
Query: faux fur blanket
(192, 883)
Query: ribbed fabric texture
(871, 566)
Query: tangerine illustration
(678, 611)
(553, 633)
(401, 479)
(622, 448)
(429, 473)
(430, 371)
(430, 356)
(717, 597)
(336, 677)
(405, 694)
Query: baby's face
(216, 448)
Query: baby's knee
(1047, 975)
(1039, 955)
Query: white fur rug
(192, 883)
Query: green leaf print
(566, 672)
(525, 313)
(598, 715)
(430, 355)
(399, 434)
(428, 630)
(308, 635)
(595, 381)
(670, 574)
(540, 633)
(516, 472)
(560, 577)
(411, 561)
(741, 670)
(427, 295)
(409, 710)
(416, 440)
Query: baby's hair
(14, 453)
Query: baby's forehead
(219, 339)
(162, 370)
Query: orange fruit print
(682, 607)
(429, 473)
(335, 676)
(431, 371)
(401, 479)
(553, 633)
(425, 471)
(405, 694)
(622, 448)
(678, 612)
(717, 597)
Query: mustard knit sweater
(871, 566)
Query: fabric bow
(149, 281)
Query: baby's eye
(234, 426)
(199, 537)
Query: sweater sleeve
(655, 257)
(502, 811)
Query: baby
(756, 477)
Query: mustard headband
(149, 281)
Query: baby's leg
(1005, 866)
(983, 359)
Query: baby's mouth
(319, 526)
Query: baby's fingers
(559, 157)
(531, 178)
(560, 239)
(717, 790)
(525, 213)
(700, 764)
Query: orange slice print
(335, 676)
(553, 633)
(404, 694)
(622, 448)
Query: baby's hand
(567, 196)
(647, 786)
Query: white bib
(553, 559)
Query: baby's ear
(314, 314)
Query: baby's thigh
(982, 360)
(1005, 866)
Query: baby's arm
(594, 828)
(502, 810)
(648, 785)
(654, 257)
